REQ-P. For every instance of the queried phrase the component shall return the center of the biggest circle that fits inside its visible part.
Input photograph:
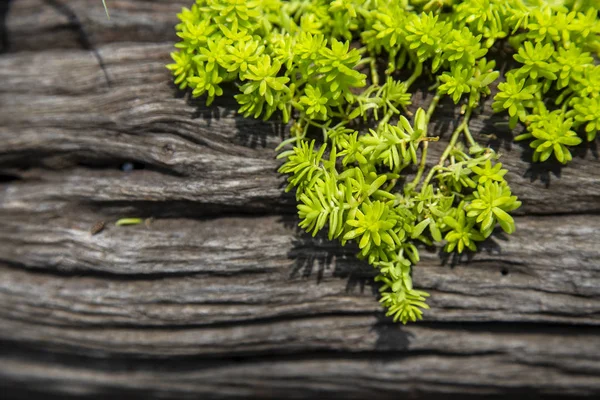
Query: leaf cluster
(555, 89)
(370, 181)
(277, 64)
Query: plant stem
(432, 107)
(316, 124)
(385, 118)
(416, 73)
(372, 61)
(364, 60)
(455, 136)
(469, 137)
(463, 127)
(422, 164)
(374, 74)
(105, 9)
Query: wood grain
(219, 295)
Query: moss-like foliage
(315, 64)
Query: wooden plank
(240, 269)
(51, 122)
(221, 296)
(529, 365)
(39, 25)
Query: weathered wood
(220, 295)
(529, 364)
(38, 25)
(139, 118)
(549, 272)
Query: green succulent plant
(316, 64)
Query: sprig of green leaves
(316, 63)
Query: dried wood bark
(220, 295)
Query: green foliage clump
(554, 42)
(315, 63)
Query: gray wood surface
(219, 294)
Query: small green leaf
(377, 183)
(105, 9)
(502, 215)
(420, 120)
(420, 227)
(129, 221)
(435, 232)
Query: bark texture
(218, 294)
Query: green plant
(315, 63)
(105, 9)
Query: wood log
(219, 295)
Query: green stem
(455, 136)
(372, 61)
(429, 176)
(416, 73)
(461, 128)
(374, 74)
(105, 9)
(386, 118)
(469, 137)
(316, 124)
(365, 60)
(432, 107)
(422, 165)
